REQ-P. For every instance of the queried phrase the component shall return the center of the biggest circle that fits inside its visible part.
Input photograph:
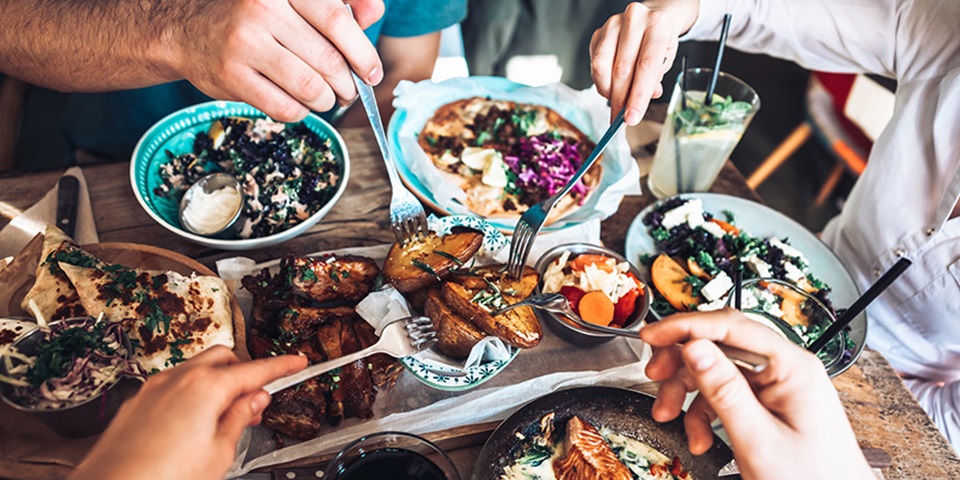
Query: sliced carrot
(726, 226)
(602, 262)
(596, 308)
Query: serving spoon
(557, 303)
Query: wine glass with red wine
(394, 455)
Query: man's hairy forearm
(92, 45)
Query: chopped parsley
(308, 275)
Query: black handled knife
(68, 194)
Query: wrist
(682, 14)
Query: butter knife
(68, 192)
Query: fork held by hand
(408, 220)
(557, 303)
(401, 338)
(533, 219)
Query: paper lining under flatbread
(167, 316)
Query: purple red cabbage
(541, 165)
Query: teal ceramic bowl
(176, 133)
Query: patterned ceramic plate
(176, 133)
(762, 221)
(445, 377)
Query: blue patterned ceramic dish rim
(455, 379)
(180, 128)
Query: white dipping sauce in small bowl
(212, 205)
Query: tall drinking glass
(697, 138)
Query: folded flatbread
(168, 317)
(52, 293)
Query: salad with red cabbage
(75, 361)
(540, 166)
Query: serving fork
(533, 219)
(408, 220)
(400, 338)
(557, 303)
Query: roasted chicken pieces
(308, 308)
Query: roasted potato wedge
(418, 298)
(477, 279)
(455, 335)
(418, 265)
(518, 327)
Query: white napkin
(16, 234)
(387, 305)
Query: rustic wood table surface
(882, 411)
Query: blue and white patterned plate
(443, 377)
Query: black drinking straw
(716, 66)
(737, 284)
(683, 82)
(860, 305)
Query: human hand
(285, 58)
(185, 422)
(784, 422)
(632, 51)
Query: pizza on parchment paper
(508, 156)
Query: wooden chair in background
(845, 112)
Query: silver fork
(401, 338)
(556, 303)
(533, 219)
(407, 217)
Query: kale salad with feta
(699, 255)
(287, 172)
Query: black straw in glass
(737, 287)
(716, 66)
(683, 82)
(860, 305)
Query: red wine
(392, 463)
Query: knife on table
(68, 192)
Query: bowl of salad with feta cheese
(289, 174)
(690, 247)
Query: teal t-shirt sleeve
(410, 18)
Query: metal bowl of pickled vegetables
(599, 284)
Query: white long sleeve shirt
(902, 203)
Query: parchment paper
(414, 407)
(586, 109)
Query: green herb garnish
(426, 268)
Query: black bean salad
(287, 172)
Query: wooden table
(882, 411)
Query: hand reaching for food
(281, 57)
(789, 407)
(186, 421)
(632, 51)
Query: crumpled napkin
(16, 234)
(387, 305)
